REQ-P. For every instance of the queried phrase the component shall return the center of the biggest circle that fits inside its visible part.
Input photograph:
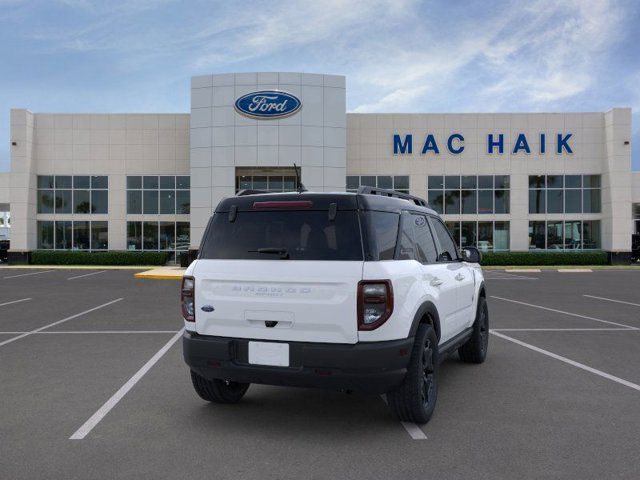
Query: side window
(448, 250)
(406, 250)
(425, 246)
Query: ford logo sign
(268, 104)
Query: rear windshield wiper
(283, 252)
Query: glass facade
(564, 194)
(153, 194)
(399, 183)
(267, 183)
(73, 194)
(72, 235)
(158, 236)
(486, 236)
(469, 194)
(565, 235)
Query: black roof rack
(392, 193)
(249, 191)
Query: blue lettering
(521, 144)
(399, 146)
(491, 143)
(563, 143)
(543, 143)
(452, 149)
(430, 144)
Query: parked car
(4, 249)
(358, 291)
(635, 247)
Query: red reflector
(323, 373)
(284, 204)
(213, 363)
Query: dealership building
(503, 181)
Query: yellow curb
(575, 270)
(161, 274)
(523, 270)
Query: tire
(218, 391)
(475, 349)
(415, 400)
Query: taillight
(375, 303)
(187, 298)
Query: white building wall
(116, 145)
(221, 139)
(596, 150)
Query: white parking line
(582, 366)
(563, 312)
(89, 425)
(603, 329)
(86, 275)
(14, 301)
(37, 330)
(28, 274)
(612, 300)
(414, 431)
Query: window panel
(573, 201)
(134, 182)
(452, 202)
(537, 181)
(385, 181)
(537, 201)
(573, 181)
(537, 236)
(45, 181)
(45, 235)
(591, 181)
(81, 201)
(401, 182)
(591, 201)
(485, 201)
(63, 201)
(555, 201)
(150, 235)
(99, 201)
(555, 181)
(368, 181)
(134, 202)
(167, 236)
(425, 247)
(275, 184)
(99, 236)
(81, 182)
(591, 234)
(167, 182)
(502, 182)
(63, 181)
(501, 236)
(435, 182)
(64, 235)
(468, 234)
(183, 182)
(469, 182)
(353, 182)
(81, 232)
(469, 201)
(150, 202)
(100, 182)
(485, 236)
(183, 202)
(501, 201)
(150, 182)
(167, 202)
(555, 236)
(573, 235)
(134, 235)
(45, 201)
(182, 236)
(451, 182)
(485, 181)
(435, 200)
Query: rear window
(274, 235)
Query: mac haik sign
(495, 144)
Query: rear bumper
(374, 367)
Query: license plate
(269, 353)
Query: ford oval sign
(268, 104)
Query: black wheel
(415, 400)
(218, 391)
(475, 350)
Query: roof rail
(249, 191)
(392, 193)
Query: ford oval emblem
(267, 104)
(207, 308)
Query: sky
(398, 55)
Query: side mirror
(471, 255)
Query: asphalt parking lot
(93, 386)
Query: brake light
(284, 204)
(187, 298)
(375, 303)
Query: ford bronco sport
(358, 291)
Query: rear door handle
(459, 277)
(436, 282)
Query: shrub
(65, 257)
(545, 258)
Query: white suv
(358, 291)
